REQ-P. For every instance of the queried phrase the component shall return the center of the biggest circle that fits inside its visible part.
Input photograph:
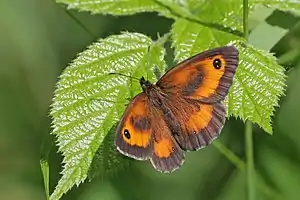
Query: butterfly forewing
(206, 76)
(143, 134)
(134, 137)
(196, 88)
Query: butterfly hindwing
(206, 76)
(203, 126)
(194, 124)
(134, 137)
(167, 155)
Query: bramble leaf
(221, 12)
(190, 38)
(227, 13)
(88, 101)
(116, 7)
(257, 86)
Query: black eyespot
(217, 63)
(173, 149)
(194, 132)
(127, 134)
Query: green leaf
(113, 7)
(88, 101)
(227, 12)
(190, 38)
(226, 17)
(167, 8)
(174, 9)
(257, 86)
(223, 12)
(285, 5)
(214, 26)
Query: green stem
(245, 19)
(249, 163)
(248, 126)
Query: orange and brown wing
(143, 134)
(134, 138)
(202, 126)
(167, 154)
(194, 125)
(206, 76)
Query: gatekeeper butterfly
(183, 111)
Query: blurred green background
(39, 38)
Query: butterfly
(183, 111)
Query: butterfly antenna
(120, 74)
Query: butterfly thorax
(145, 84)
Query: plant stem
(245, 19)
(249, 163)
(248, 127)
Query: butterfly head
(145, 84)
